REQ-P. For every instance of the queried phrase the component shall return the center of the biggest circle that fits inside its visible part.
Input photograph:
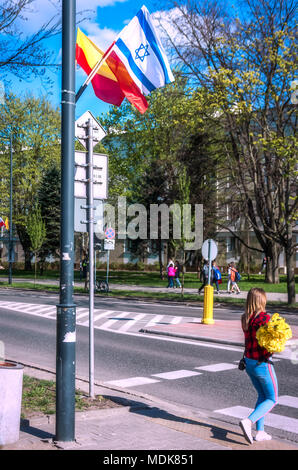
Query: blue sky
(106, 18)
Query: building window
(230, 244)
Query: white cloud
(39, 12)
(102, 37)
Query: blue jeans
(264, 380)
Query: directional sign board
(100, 175)
(213, 249)
(81, 129)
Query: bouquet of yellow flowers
(274, 334)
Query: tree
(36, 230)
(148, 151)
(246, 64)
(35, 129)
(49, 202)
(23, 56)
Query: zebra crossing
(274, 420)
(103, 319)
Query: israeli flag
(140, 50)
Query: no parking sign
(110, 233)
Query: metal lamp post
(66, 312)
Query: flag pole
(93, 72)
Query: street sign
(213, 249)
(100, 175)
(110, 233)
(109, 244)
(81, 215)
(81, 129)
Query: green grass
(177, 297)
(39, 398)
(152, 279)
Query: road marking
(155, 319)
(176, 374)
(132, 322)
(132, 382)
(176, 320)
(287, 400)
(96, 317)
(217, 367)
(273, 420)
(84, 313)
(109, 323)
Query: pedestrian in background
(234, 275)
(204, 276)
(258, 366)
(264, 263)
(229, 279)
(177, 273)
(216, 276)
(171, 275)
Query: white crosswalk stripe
(130, 323)
(104, 314)
(132, 382)
(273, 420)
(176, 374)
(217, 367)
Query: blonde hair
(255, 303)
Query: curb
(193, 337)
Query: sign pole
(90, 218)
(209, 251)
(209, 262)
(10, 249)
(66, 312)
(108, 262)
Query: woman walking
(171, 274)
(258, 366)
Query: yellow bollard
(208, 305)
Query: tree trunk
(272, 266)
(160, 260)
(290, 258)
(290, 263)
(28, 256)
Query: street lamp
(10, 243)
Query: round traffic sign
(110, 233)
(209, 252)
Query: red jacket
(252, 348)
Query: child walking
(233, 272)
(258, 366)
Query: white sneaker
(245, 425)
(262, 436)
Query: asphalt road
(167, 368)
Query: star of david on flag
(139, 52)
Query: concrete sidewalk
(143, 422)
